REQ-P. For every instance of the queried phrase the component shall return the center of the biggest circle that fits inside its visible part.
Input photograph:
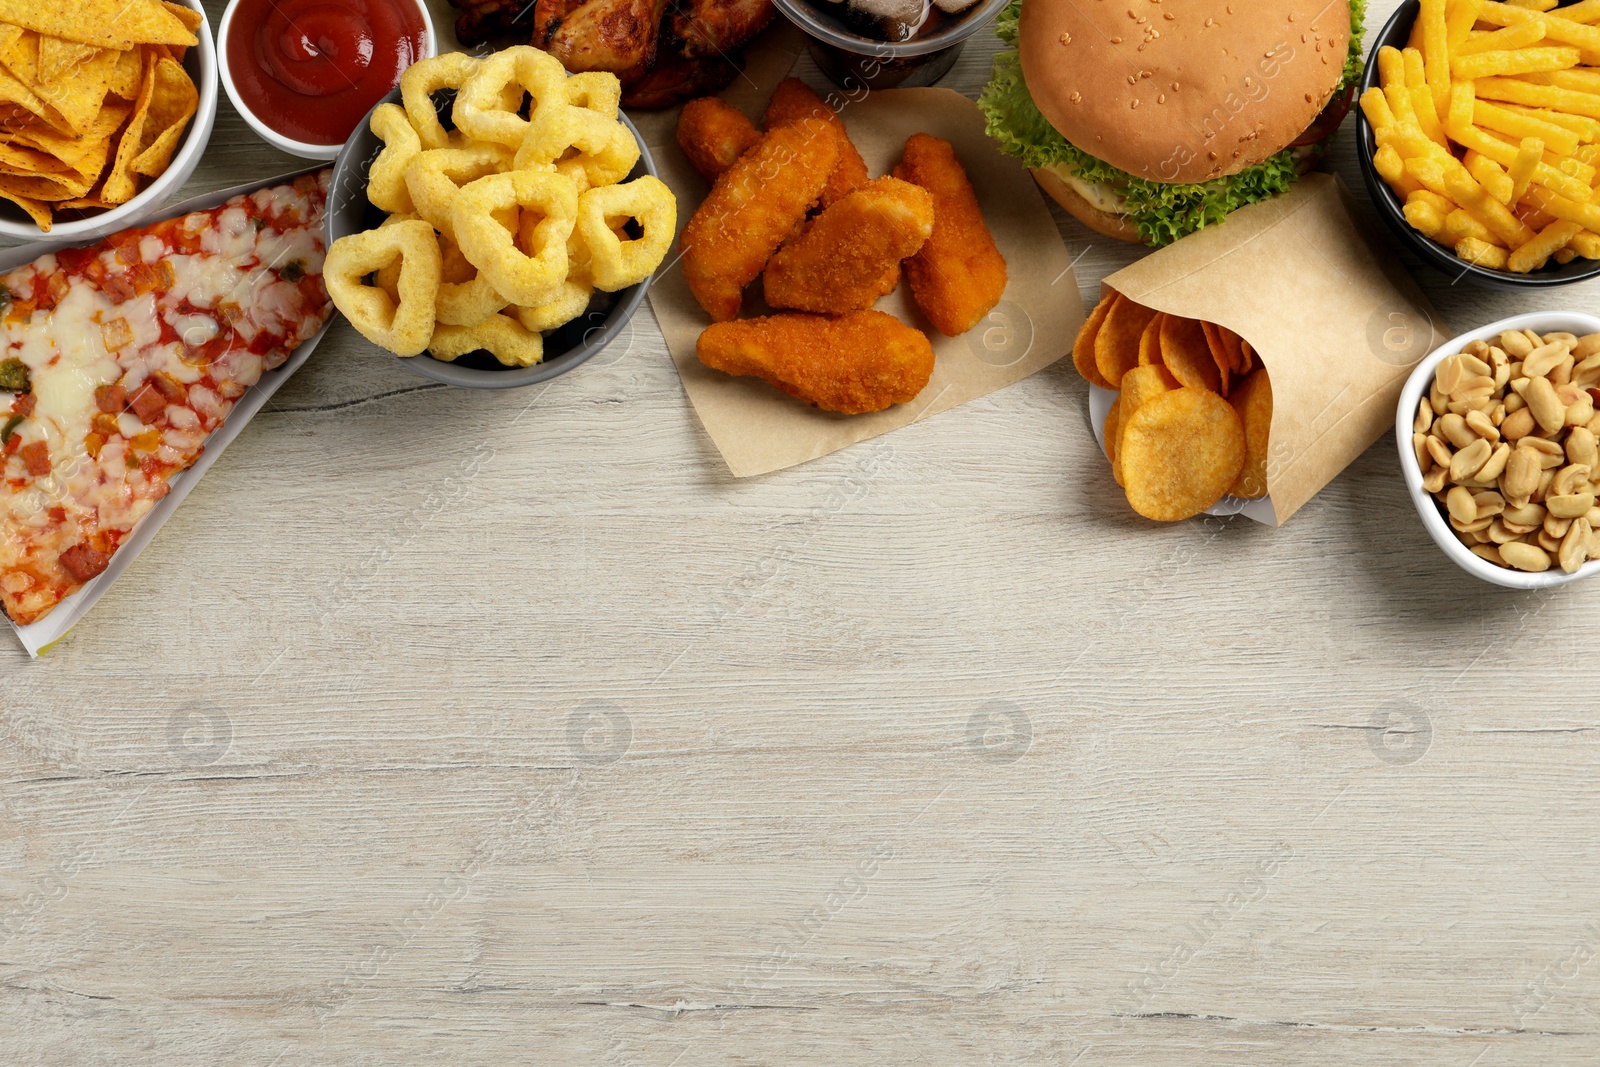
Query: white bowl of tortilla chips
(105, 109)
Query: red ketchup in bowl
(311, 69)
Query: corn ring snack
(595, 91)
(501, 336)
(405, 326)
(420, 81)
(481, 104)
(528, 277)
(617, 263)
(572, 299)
(606, 151)
(435, 177)
(386, 179)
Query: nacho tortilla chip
(1252, 399)
(13, 92)
(1187, 356)
(173, 102)
(1180, 453)
(118, 24)
(74, 150)
(1116, 346)
(1150, 343)
(57, 56)
(1083, 346)
(120, 184)
(37, 210)
(127, 75)
(78, 93)
(190, 18)
(22, 159)
(61, 186)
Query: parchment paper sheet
(758, 429)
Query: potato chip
(501, 336)
(120, 24)
(1083, 345)
(1150, 343)
(404, 327)
(1252, 399)
(1232, 343)
(1113, 431)
(1140, 384)
(1219, 354)
(1180, 452)
(1247, 356)
(1187, 356)
(173, 103)
(1116, 346)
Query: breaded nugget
(860, 362)
(751, 209)
(713, 135)
(841, 261)
(794, 100)
(959, 274)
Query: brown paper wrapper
(1335, 320)
(758, 429)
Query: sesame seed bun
(1182, 90)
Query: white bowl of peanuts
(1497, 437)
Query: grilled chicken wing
(614, 35)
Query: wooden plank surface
(442, 726)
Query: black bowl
(1395, 33)
(349, 211)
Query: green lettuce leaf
(1162, 212)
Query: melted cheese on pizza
(122, 357)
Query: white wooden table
(446, 727)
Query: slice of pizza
(117, 360)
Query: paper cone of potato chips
(1337, 323)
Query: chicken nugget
(861, 362)
(794, 100)
(751, 209)
(959, 274)
(842, 260)
(714, 135)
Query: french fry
(1532, 215)
(1556, 139)
(1461, 223)
(1491, 175)
(1391, 75)
(1587, 243)
(1391, 166)
(1564, 255)
(1584, 11)
(1505, 154)
(1531, 255)
(1520, 61)
(1463, 104)
(1588, 130)
(1579, 81)
(1435, 51)
(1416, 79)
(1534, 5)
(1428, 172)
(1375, 106)
(1425, 219)
(1585, 213)
(1519, 36)
(1522, 168)
(1442, 204)
(1459, 18)
(1464, 189)
(1556, 29)
(1481, 255)
(1517, 91)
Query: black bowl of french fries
(1485, 162)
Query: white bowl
(303, 149)
(1433, 519)
(201, 63)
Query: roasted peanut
(1518, 423)
(1489, 473)
(1521, 475)
(1569, 505)
(1574, 548)
(1468, 461)
(1525, 557)
(1453, 428)
(1480, 424)
(1548, 410)
(1460, 505)
(1490, 553)
(1424, 417)
(1583, 447)
(1516, 344)
(1542, 360)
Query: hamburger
(1149, 119)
